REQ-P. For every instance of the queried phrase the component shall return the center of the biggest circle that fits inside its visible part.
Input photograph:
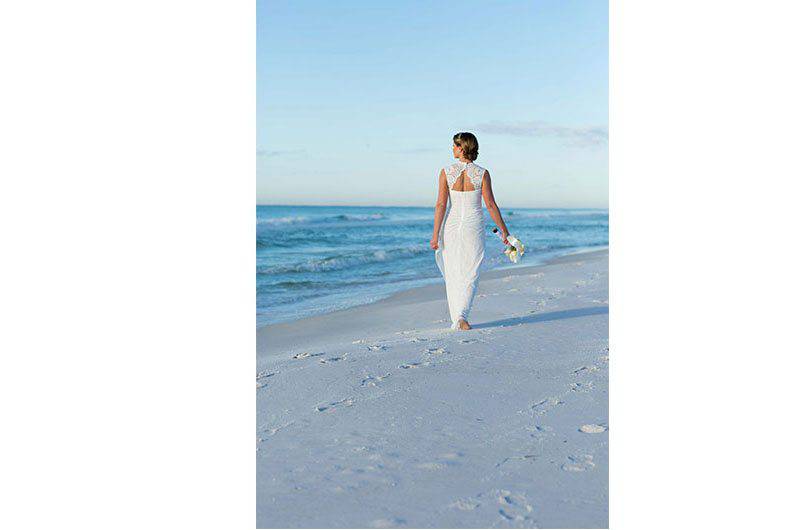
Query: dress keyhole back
(463, 183)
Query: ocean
(317, 259)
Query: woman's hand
(505, 234)
(435, 242)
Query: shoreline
(320, 330)
(433, 281)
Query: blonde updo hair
(468, 144)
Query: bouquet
(515, 249)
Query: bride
(459, 245)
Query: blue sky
(358, 101)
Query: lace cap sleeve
(476, 176)
(450, 175)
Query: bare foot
(463, 324)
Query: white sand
(389, 419)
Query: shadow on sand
(544, 317)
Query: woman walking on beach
(459, 245)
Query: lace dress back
(464, 176)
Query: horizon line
(432, 206)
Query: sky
(358, 101)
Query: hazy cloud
(575, 136)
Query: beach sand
(381, 416)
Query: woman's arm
(491, 205)
(441, 206)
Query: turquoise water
(316, 259)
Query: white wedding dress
(460, 256)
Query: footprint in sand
(593, 428)
(376, 347)
(305, 355)
(468, 341)
(418, 339)
(270, 431)
(544, 405)
(577, 463)
(260, 383)
(511, 506)
(414, 365)
(435, 351)
(590, 369)
(523, 458)
(359, 341)
(515, 506)
(581, 387)
(373, 380)
(342, 357)
(333, 405)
